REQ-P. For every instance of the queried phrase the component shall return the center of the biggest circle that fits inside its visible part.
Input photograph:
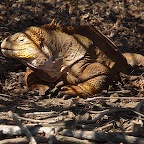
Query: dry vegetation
(112, 117)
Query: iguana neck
(59, 51)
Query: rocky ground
(118, 110)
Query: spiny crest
(53, 25)
(59, 26)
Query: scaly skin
(83, 57)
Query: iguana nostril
(3, 44)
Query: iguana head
(23, 45)
(52, 51)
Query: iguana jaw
(19, 54)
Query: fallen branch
(15, 141)
(104, 127)
(70, 140)
(16, 130)
(23, 140)
(101, 97)
(40, 113)
(34, 120)
(139, 106)
(102, 137)
(57, 140)
(69, 136)
(107, 112)
(48, 121)
(23, 128)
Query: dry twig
(127, 98)
(107, 112)
(23, 128)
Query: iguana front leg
(83, 79)
(33, 82)
(93, 79)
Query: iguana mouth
(6, 49)
(10, 49)
(20, 54)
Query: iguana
(85, 59)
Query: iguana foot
(85, 89)
(33, 82)
(71, 91)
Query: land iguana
(85, 59)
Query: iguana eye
(21, 40)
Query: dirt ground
(121, 20)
